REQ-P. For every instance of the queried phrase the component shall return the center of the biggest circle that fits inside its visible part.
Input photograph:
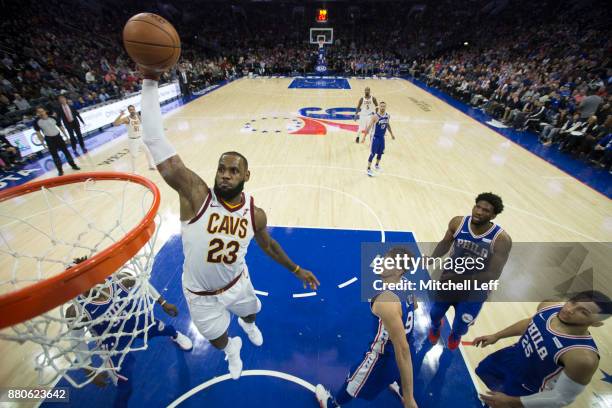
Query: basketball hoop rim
(44, 295)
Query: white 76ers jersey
(367, 106)
(215, 243)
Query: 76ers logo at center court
(310, 121)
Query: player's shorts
(364, 120)
(136, 146)
(378, 145)
(372, 375)
(499, 373)
(211, 314)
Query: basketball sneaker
(232, 356)
(370, 173)
(252, 331)
(182, 341)
(378, 168)
(453, 341)
(324, 397)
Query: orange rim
(44, 295)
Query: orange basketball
(152, 42)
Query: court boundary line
(499, 134)
(303, 295)
(348, 282)
(246, 373)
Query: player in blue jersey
(380, 123)
(473, 236)
(388, 358)
(109, 307)
(554, 359)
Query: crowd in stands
(537, 66)
(552, 79)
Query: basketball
(152, 42)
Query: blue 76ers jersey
(538, 351)
(470, 245)
(381, 343)
(381, 126)
(118, 317)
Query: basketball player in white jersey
(366, 107)
(217, 226)
(135, 143)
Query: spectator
(21, 103)
(103, 96)
(4, 103)
(90, 77)
(10, 155)
(602, 153)
(589, 105)
(70, 118)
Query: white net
(42, 234)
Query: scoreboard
(322, 15)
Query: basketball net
(71, 221)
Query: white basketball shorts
(364, 120)
(211, 314)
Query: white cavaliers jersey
(134, 127)
(215, 243)
(367, 106)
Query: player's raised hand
(500, 400)
(484, 341)
(170, 309)
(149, 73)
(308, 278)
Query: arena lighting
(322, 15)
(466, 43)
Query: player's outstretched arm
(128, 282)
(191, 188)
(276, 252)
(120, 120)
(516, 329)
(390, 131)
(358, 108)
(445, 244)
(388, 308)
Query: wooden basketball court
(441, 160)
